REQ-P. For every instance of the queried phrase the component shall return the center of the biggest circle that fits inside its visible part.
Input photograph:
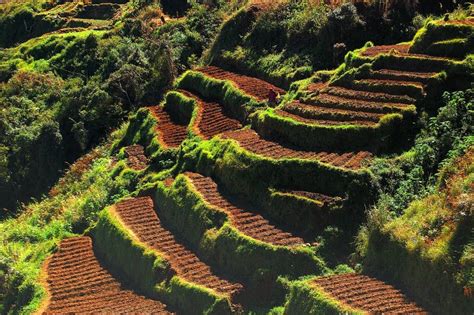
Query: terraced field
(252, 86)
(219, 225)
(247, 221)
(364, 101)
(93, 14)
(169, 132)
(78, 283)
(251, 141)
(211, 118)
(139, 216)
(366, 294)
(136, 158)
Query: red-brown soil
(398, 75)
(311, 195)
(388, 82)
(327, 122)
(362, 104)
(136, 158)
(332, 114)
(251, 141)
(340, 102)
(139, 216)
(468, 21)
(369, 96)
(367, 294)
(170, 133)
(211, 118)
(400, 50)
(383, 49)
(78, 284)
(252, 86)
(246, 221)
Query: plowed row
(251, 141)
(246, 221)
(311, 195)
(77, 283)
(326, 115)
(400, 49)
(139, 216)
(255, 87)
(136, 158)
(372, 97)
(211, 118)
(367, 294)
(363, 101)
(170, 133)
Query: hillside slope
(231, 191)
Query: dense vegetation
(74, 92)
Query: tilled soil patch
(136, 158)
(78, 284)
(255, 87)
(139, 216)
(247, 221)
(368, 294)
(329, 113)
(251, 141)
(211, 119)
(170, 133)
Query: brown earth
(211, 118)
(369, 96)
(311, 195)
(399, 49)
(170, 132)
(246, 221)
(341, 102)
(138, 215)
(332, 114)
(136, 158)
(78, 284)
(251, 141)
(257, 88)
(367, 294)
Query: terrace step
(351, 104)
(87, 287)
(398, 75)
(369, 96)
(412, 89)
(102, 11)
(324, 122)
(404, 60)
(170, 132)
(367, 294)
(136, 158)
(251, 141)
(86, 23)
(211, 118)
(257, 88)
(318, 198)
(138, 215)
(331, 114)
(246, 221)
